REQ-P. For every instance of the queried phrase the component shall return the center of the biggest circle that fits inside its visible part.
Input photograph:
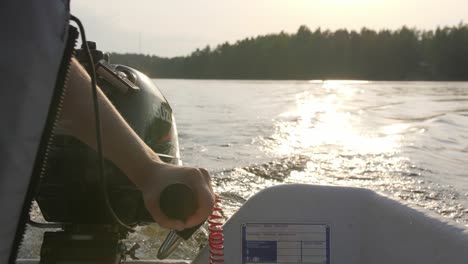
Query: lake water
(407, 140)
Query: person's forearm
(119, 142)
(125, 149)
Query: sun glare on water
(323, 118)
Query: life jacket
(34, 52)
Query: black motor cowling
(70, 190)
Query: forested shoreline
(403, 54)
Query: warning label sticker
(273, 243)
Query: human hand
(160, 175)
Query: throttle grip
(178, 201)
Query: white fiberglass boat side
(322, 224)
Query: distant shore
(400, 55)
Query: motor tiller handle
(178, 201)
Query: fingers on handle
(206, 177)
(205, 198)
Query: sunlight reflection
(395, 129)
(322, 120)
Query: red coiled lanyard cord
(216, 236)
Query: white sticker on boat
(272, 243)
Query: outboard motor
(70, 193)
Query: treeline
(403, 54)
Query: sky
(178, 27)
